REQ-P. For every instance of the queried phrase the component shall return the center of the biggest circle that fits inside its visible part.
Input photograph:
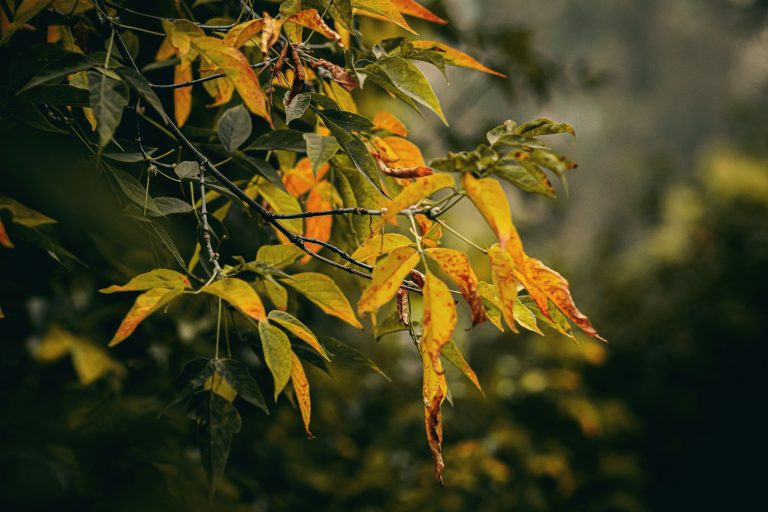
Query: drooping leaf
(526, 176)
(380, 245)
(146, 304)
(340, 350)
(556, 319)
(491, 202)
(387, 277)
(108, 97)
(298, 329)
(241, 380)
(301, 389)
(453, 355)
(434, 389)
(503, 274)
(182, 96)
(456, 265)
(525, 317)
(240, 294)
(277, 354)
(192, 377)
(439, 318)
(324, 293)
(401, 152)
(455, 57)
(311, 19)
(234, 128)
(157, 278)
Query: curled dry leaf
(311, 19)
(340, 75)
(270, 33)
(403, 308)
(434, 389)
(401, 172)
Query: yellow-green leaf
(23, 215)
(455, 57)
(240, 294)
(146, 304)
(277, 354)
(385, 9)
(387, 277)
(453, 355)
(324, 293)
(491, 303)
(91, 362)
(525, 317)
(282, 202)
(157, 278)
(380, 245)
(298, 329)
(301, 389)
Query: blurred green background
(663, 236)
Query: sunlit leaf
(456, 265)
(415, 9)
(182, 96)
(282, 202)
(278, 256)
(413, 193)
(453, 355)
(503, 274)
(380, 245)
(157, 278)
(401, 152)
(301, 389)
(311, 19)
(525, 317)
(455, 57)
(439, 318)
(388, 275)
(146, 304)
(298, 329)
(384, 8)
(240, 294)
(491, 303)
(324, 293)
(385, 121)
(277, 354)
(489, 198)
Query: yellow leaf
(278, 256)
(298, 329)
(277, 354)
(401, 152)
(490, 200)
(270, 33)
(220, 89)
(415, 9)
(456, 265)
(386, 121)
(455, 57)
(180, 34)
(146, 304)
(434, 389)
(182, 96)
(324, 293)
(219, 385)
(166, 50)
(323, 196)
(380, 245)
(243, 32)
(491, 303)
(240, 294)
(385, 9)
(91, 362)
(301, 389)
(388, 275)
(439, 318)
(300, 179)
(237, 68)
(311, 19)
(282, 202)
(412, 194)
(340, 96)
(157, 278)
(503, 274)
(453, 355)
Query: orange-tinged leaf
(180, 33)
(456, 265)
(434, 389)
(455, 57)
(182, 96)
(311, 19)
(270, 33)
(240, 294)
(453, 355)
(157, 278)
(383, 8)
(166, 50)
(413, 193)
(544, 284)
(439, 317)
(400, 152)
(415, 9)
(237, 68)
(298, 329)
(323, 196)
(503, 275)
(146, 304)
(5, 241)
(301, 389)
(324, 293)
(339, 75)
(431, 231)
(388, 275)
(379, 245)
(243, 32)
(490, 200)
(299, 180)
(385, 121)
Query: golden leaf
(415, 9)
(491, 303)
(388, 275)
(490, 200)
(503, 274)
(439, 318)
(455, 57)
(380, 245)
(298, 329)
(146, 304)
(301, 389)
(182, 96)
(434, 389)
(385, 121)
(323, 196)
(240, 294)
(456, 265)
(157, 278)
(383, 8)
(412, 194)
(300, 179)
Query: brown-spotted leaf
(439, 318)
(388, 275)
(456, 265)
(434, 389)
(146, 304)
(503, 275)
(157, 278)
(324, 293)
(240, 294)
(455, 57)
(413, 193)
(301, 389)
(380, 245)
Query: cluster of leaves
(342, 204)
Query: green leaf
(477, 161)
(506, 128)
(277, 354)
(320, 149)
(356, 150)
(187, 170)
(278, 256)
(234, 127)
(543, 126)
(134, 191)
(341, 350)
(296, 108)
(389, 325)
(257, 166)
(171, 205)
(410, 81)
(525, 317)
(27, 10)
(140, 84)
(552, 161)
(526, 176)
(298, 329)
(290, 140)
(108, 98)
(453, 355)
(57, 95)
(348, 121)
(341, 12)
(192, 377)
(217, 419)
(559, 321)
(324, 293)
(241, 380)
